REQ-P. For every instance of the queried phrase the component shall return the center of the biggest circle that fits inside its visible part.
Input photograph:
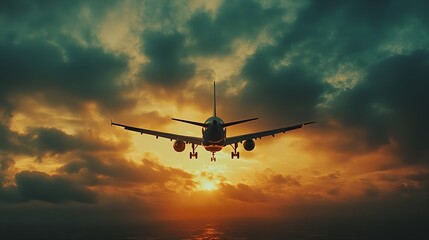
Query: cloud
(291, 90)
(242, 192)
(120, 172)
(87, 177)
(389, 105)
(320, 54)
(167, 64)
(34, 185)
(40, 142)
(215, 35)
(6, 163)
(65, 74)
(271, 178)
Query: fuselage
(214, 134)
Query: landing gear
(235, 153)
(193, 153)
(213, 159)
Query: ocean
(237, 229)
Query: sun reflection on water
(212, 231)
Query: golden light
(207, 186)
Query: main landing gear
(235, 153)
(193, 153)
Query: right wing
(186, 139)
(240, 138)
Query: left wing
(240, 138)
(187, 139)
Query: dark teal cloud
(69, 74)
(167, 65)
(215, 35)
(390, 104)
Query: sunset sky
(359, 68)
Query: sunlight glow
(208, 186)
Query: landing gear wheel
(193, 153)
(235, 153)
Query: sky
(359, 68)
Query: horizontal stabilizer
(238, 122)
(190, 122)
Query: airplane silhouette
(213, 134)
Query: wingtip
(307, 123)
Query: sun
(208, 186)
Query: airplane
(214, 136)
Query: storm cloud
(34, 185)
(40, 142)
(111, 171)
(215, 35)
(70, 73)
(167, 64)
(390, 104)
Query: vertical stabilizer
(214, 99)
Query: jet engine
(179, 146)
(249, 145)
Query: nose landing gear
(213, 159)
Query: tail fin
(214, 99)
(190, 122)
(238, 122)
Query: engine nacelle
(249, 145)
(179, 146)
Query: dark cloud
(289, 92)
(272, 178)
(54, 141)
(66, 75)
(337, 32)
(49, 15)
(6, 163)
(40, 142)
(40, 59)
(43, 187)
(420, 176)
(167, 64)
(116, 171)
(11, 141)
(242, 192)
(389, 105)
(287, 79)
(215, 35)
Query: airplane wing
(240, 138)
(186, 139)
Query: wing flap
(171, 136)
(256, 135)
